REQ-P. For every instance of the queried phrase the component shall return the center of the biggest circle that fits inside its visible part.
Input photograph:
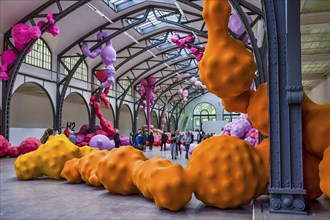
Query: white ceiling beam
(315, 58)
(302, 3)
(315, 20)
(309, 77)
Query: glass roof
(153, 20)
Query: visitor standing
(173, 145)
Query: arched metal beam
(143, 74)
(8, 86)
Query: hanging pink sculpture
(147, 89)
(187, 42)
(108, 56)
(183, 93)
(22, 35)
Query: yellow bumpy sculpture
(47, 160)
(325, 173)
(70, 171)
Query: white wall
(321, 92)
(213, 126)
(30, 111)
(125, 121)
(17, 135)
(189, 110)
(74, 112)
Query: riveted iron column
(285, 98)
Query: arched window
(203, 112)
(40, 55)
(81, 71)
(229, 116)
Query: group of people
(176, 140)
(140, 138)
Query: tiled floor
(57, 199)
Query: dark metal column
(285, 98)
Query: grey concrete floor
(57, 199)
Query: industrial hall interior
(165, 109)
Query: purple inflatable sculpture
(101, 141)
(108, 56)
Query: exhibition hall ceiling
(142, 32)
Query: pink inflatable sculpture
(29, 144)
(124, 141)
(4, 146)
(22, 35)
(14, 151)
(187, 42)
(183, 93)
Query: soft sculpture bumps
(229, 177)
(227, 67)
(116, 168)
(48, 159)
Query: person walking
(173, 145)
(178, 138)
(151, 140)
(164, 139)
(187, 140)
(116, 139)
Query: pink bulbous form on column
(14, 151)
(7, 58)
(189, 39)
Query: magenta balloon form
(183, 93)
(236, 25)
(100, 141)
(187, 42)
(108, 56)
(14, 151)
(4, 146)
(147, 89)
(124, 141)
(22, 35)
(29, 144)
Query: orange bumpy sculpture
(229, 177)
(325, 173)
(316, 126)
(164, 182)
(70, 171)
(263, 150)
(116, 168)
(88, 164)
(142, 171)
(227, 67)
(311, 176)
(258, 109)
(170, 187)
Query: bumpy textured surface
(88, 164)
(258, 109)
(142, 171)
(311, 175)
(29, 144)
(227, 67)
(85, 150)
(70, 171)
(4, 146)
(230, 176)
(315, 126)
(325, 173)
(263, 150)
(48, 159)
(237, 103)
(170, 187)
(115, 170)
